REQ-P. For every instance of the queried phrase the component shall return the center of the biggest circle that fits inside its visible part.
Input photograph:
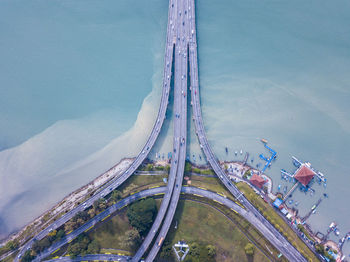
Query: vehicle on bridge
(160, 241)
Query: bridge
(180, 51)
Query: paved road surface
(154, 191)
(126, 201)
(96, 257)
(181, 83)
(177, 143)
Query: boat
(324, 184)
(336, 231)
(314, 211)
(291, 201)
(285, 189)
(313, 207)
(226, 149)
(252, 159)
(241, 152)
(264, 141)
(325, 195)
(236, 153)
(296, 203)
(279, 187)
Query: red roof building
(257, 181)
(304, 175)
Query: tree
(27, 256)
(40, 245)
(52, 233)
(116, 195)
(194, 250)
(141, 215)
(149, 167)
(131, 239)
(12, 245)
(249, 249)
(319, 249)
(188, 167)
(60, 234)
(93, 247)
(69, 226)
(102, 204)
(74, 250)
(211, 250)
(166, 252)
(79, 246)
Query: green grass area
(141, 182)
(212, 184)
(270, 213)
(108, 233)
(200, 223)
(196, 223)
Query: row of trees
(321, 250)
(98, 206)
(41, 245)
(10, 246)
(83, 245)
(200, 252)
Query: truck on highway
(160, 241)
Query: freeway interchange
(180, 51)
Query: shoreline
(230, 167)
(68, 202)
(236, 171)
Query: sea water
(277, 70)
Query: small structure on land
(257, 181)
(181, 249)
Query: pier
(245, 158)
(267, 160)
(311, 211)
(290, 191)
(342, 241)
(331, 228)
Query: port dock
(267, 160)
(313, 208)
(290, 191)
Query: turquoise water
(268, 69)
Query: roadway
(115, 182)
(181, 83)
(97, 257)
(161, 190)
(261, 223)
(172, 13)
(180, 132)
(128, 200)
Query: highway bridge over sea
(181, 68)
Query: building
(257, 181)
(277, 203)
(304, 174)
